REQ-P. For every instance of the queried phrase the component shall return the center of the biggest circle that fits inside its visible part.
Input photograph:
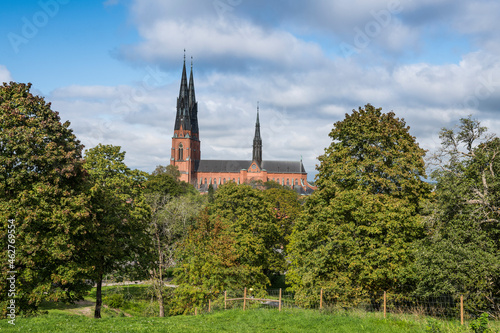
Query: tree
(166, 180)
(120, 212)
(171, 170)
(287, 208)
(170, 220)
(461, 254)
(356, 234)
(210, 193)
(42, 191)
(229, 247)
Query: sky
(113, 68)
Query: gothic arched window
(181, 153)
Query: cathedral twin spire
(257, 142)
(187, 113)
(187, 107)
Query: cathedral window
(181, 153)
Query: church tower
(257, 142)
(185, 153)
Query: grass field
(136, 314)
(259, 320)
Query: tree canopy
(119, 211)
(229, 247)
(165, 180)
(355, 236)
(42, 189)
(461, 254)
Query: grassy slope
(224, 321)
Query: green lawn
(258, 320)
(137, 303)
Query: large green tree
(356, 234)
(41, 190)
(171, 218)
(174, 207)
(229, 248)
(461, 254)
(119, 211)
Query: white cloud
(5, 75)
(475, 80)
(165, 39)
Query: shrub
(114, 300)
(480, 325)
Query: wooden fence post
(225, 298)
(385, 303)
(461, 309)
(209, 306)
(321, 299)
(279, 306)
(195, 311)
(244, 299)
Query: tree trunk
(98, 297)
(160, 300)
(160, 287)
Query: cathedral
(186, 153)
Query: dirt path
(86, 308)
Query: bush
(433, 326)
(480, 325)
(114, 300)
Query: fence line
(460, 307)
(245, 299)
(384, 302)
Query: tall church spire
(193, 105)
(183, 117)
(192, 97)
(257, 141)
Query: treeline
(375, 222)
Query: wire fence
(462, 308)
(448, 307)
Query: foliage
(165, 180)
(461, 254)
(171, 170)
(433, 326)
(287, 208)
(41, 189)
(356, 234)
(229, 247)
(210, 193)
(170, 219)
(290, 320)
(480, 325)
(272, 184)
(114, 300)
(119, 210)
